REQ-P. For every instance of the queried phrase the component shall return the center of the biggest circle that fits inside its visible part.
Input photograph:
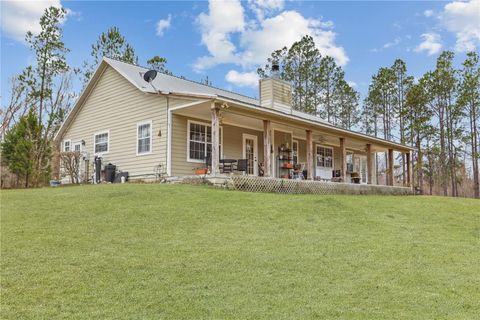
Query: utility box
(110, 172)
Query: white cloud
(283, 30)
(163, 24)
(242, 79)
(431, 43)
(352, 84)
(463, 19)
(224, 17)
(392, 43)
(387, 45)
(263, 8)
(258, 38)
(428, 13)
(18, 17)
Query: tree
(417, 115)
(330, 80)
(110, 44)
(469, 100)
(50, 55)
(402, 84)
(158, 63)
(18, 148)
(318, 85)
(206, 81)
(441, 87)
(346, 98)
(71, 164)
(20, 100)
(48, 85)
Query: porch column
(343, 160)
(309, 155)
(409, 170)
(369, 164)
(215, 139)
(390, 168)
(267, 148)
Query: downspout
(169, 140)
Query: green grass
(186, 252)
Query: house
(179, 125)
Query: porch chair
(242, 166)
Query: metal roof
(172, 84)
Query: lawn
(138, 251)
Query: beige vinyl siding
(231, 148)
(302, 151)
(275, 91)
(115, 105)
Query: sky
(228, 40)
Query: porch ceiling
(237, 117)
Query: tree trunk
(474, 142)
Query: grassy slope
(184, 252)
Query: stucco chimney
(276, 93)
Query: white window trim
(108, 142)
(188, 139)
(295, 141)
(70, 144)
(333, 156)
(77, 143)
(150, 122)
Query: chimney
(276, 93)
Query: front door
(250, 152)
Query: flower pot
(201, 171)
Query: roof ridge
(185, 79)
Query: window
(144, 137)
(324, 157)
(77, 147)
(295, 151)
(200, 141)
(101, 142)
(66, 145)
(349, 161)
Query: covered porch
(223, 135)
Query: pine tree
(469, 100)
(111, 44)
(158, 63)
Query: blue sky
(228, 40)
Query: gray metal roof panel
(168, 83)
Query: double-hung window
(66, 145)
(144, 137)
(101, 142)
(200, 141)
(324, 157)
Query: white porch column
(215, 139)
(267, 147)
(309, 155)
(343, 160)
(369, 164)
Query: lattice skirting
(259, 184)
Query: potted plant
(201, 171)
